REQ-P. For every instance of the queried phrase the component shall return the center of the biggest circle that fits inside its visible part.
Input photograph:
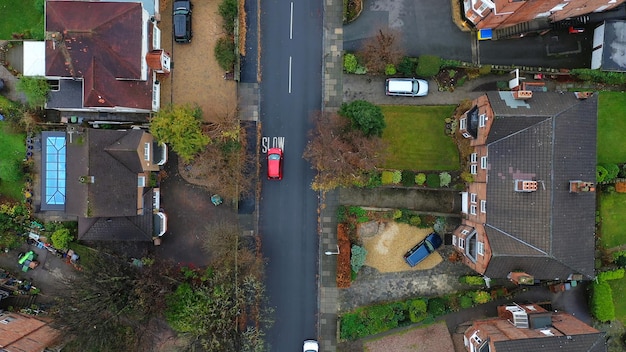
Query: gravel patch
(385, 251)
(422, 339)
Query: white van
(408, 87)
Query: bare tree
(381, 50)
(341, 155)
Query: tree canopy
(180, 126)
(365, 117)
(341, 156)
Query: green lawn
(19, 16)
(611, 127)
(612, 210)
(417, 140)
(12, 152)
(619, 287)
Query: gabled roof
(103, 44)
(550, 139)
(574, 343)
(108, 157)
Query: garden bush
(371, 320)
(601, 173)
(408, 178)
(407, 66)
(472, 280)
(350, 63)
(360, 70)
(35, 89)
(602, 306)
(466, 301)
(359, 213)
(619, 258)
(61, 238)
(396, 176)
(417, 310)
(397, 214)
(374, 179)
(611, 171)
(432, 180)
(437, 306)
(228, 10)
(390, 70)
(440, 225)
(467, 177)
(341, 213)
(481, 297)
(444, 179)
(387, 177)
(611, 275)
(415, 221)
(357, 259)
(598, 76)
(428, 66)
(420, 179)
(225, 53)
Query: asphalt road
(291, 43)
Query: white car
(407, 87)
(310, 346)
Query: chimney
(525, 186)
(522, 94)
(581, 187)
(521, 278)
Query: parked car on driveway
(275, 164)
(423, 249)
(182, 21)
(407, 87)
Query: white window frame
(473, 169)
(146, 151)
(483, 206)
(473, 209)
(482, 120)
(483, 162)
(465, 232)
(463, 124)
(454, 238)
(141, 181)
(480, 248)
(473, 198)
(467, 135)
(462, 243)
(473, 157)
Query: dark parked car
(423, 249)
(182, 21)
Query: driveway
(195, 77)
(424, 27)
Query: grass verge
(417, 139)
(618, 286)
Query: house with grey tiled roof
(530, 327)
(103, 56)
(106, 179)
(530, 209)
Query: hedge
(602, 305)
(611, 275)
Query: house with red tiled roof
(103, 57)
(530, 327)
(26, 333)
(529, 212)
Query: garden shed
(34, 58)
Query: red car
(275, 164)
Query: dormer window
(483, 162)
(146, 151)
(482, 119)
